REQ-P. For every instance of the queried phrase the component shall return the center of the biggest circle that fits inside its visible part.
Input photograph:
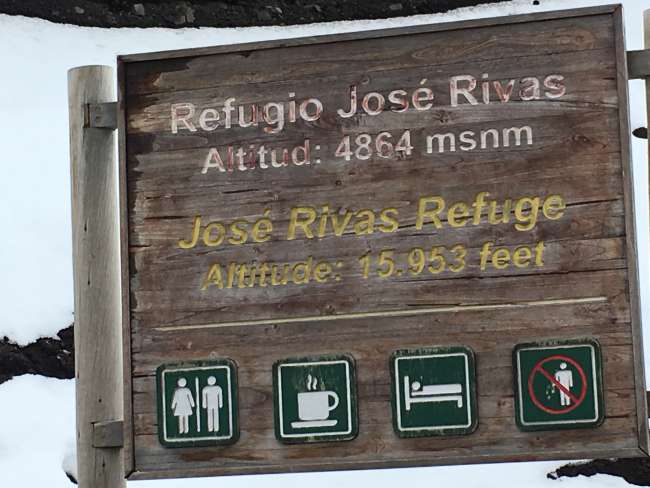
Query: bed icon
(417, 393)
(433, 391)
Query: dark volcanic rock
(634, 471)
(53, 357)
(224, 13)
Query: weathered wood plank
(628, 179)
(578, 178)
(96, 279)
(581, 284)
(367, 56)
(371, 34)
(151, 114)
(404, 296)
(373, 370)
(619, 403)
(553, 122)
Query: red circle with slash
(577, 400)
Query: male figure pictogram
(564, 377)
(212, 402)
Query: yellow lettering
(207, 234)
(554, 207)
(457, 215)
(324, 216)
(264, 269)
(322, 272)
(242, 270)
(526, 221)
(365, 222)
(301, 272)
(239, 232)
(521, 256)
(296, 222)
(339, 226)
(281, 279)
(484, 254)
(262, 228)
(389, 218)
(196, 227)
(232, 267)
(479, 203)
(505, 212)
(501, 258)
(539, 249)
(213, 278)
(432, 214)
(460, 253)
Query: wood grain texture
(96, 279)
(587, 286)
(628, 179)
(128, 457)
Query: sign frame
(470, 388)
(597, 383)
(131, 469)
(352, 429)
(232, 401)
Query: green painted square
(433, 392)
(315, 399)
(197, 403)
(558, 385)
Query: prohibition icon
(569, 398)
(558, 384)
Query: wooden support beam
(108, 434)
(97, 299)
(646, 59)
(638, 64)
(101, 115)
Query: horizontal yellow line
(388, 313)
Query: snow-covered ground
(36, 414)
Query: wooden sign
(390, 248)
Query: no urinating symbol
(559, 385)
(563, 380)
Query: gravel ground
(226, 13)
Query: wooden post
(646, 31)
(95, 241)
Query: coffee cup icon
(314, 408)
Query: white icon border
(399, 386)
(349, 399)
(164, 405)
(558, 422)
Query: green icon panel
(558, 385)
(433, 392)
(315, 399)
(197, 403)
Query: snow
(35, 141)
(37, 414)
(36, 430)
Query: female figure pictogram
(183, 406)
